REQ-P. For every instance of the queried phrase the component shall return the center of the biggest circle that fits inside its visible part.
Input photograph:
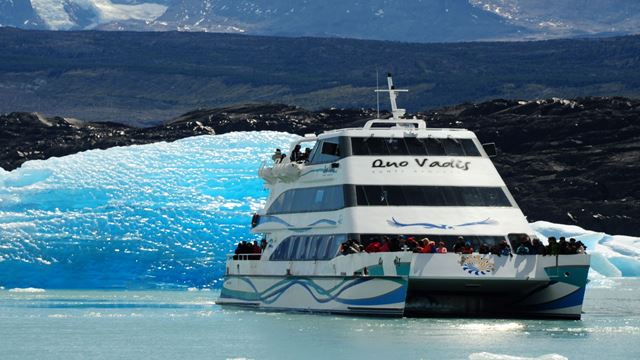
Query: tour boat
(396, 178)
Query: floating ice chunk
(491, 356)
(27, 290)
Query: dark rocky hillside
(567, 161)
(144, 78)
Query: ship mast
(397, 113)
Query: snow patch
(491, 356)
(57, 17)
(27, 290)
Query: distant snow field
(166, 214)
(63, 15)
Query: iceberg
(165, 215)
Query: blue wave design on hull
(487, 221)
(273, 293)
(275, 219)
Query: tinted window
(325, 151)
(311, 247)
(414, 146)
(371, 195)
(326, 198)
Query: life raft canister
(255, 220)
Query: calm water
(188, 325)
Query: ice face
(163, 215)
(140, 216)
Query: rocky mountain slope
(568, 161)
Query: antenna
(393, 95)
(377, 94)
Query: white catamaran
(392, 181)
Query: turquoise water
(187, 324)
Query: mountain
(568, 161)
(397, 20)
(403, 20)
(144, 78)
(19, 13)
(565, 18)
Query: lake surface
(189, 325)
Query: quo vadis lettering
(423, 163)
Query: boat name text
(453, 164)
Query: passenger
(373, 247)
(256, 248)
(553, 248)
(484, 249)
(411, 243)
(573, 246)
(385, 247)
(355, 243)
(296, 155)
(263, 244)
(306, 154)
(495, 249)
(505, 249)
(523, 249)
(429, 246)
(457, 248)
(394, 244)
(345, 249)
(537, 247)
(526, 240)
(277, 156)
(564, 246)
(441, 248)
(467, 248)
(582, 248)
(243, 247)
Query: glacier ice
(164, 215)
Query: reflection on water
(174, 324)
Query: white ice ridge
(611, 255)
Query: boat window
(376, 146)
(308, 248)
(325, 151)
(393, 195)
(326, 198)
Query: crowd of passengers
(248, 248)
(297, 155)
(525, 246)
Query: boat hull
(406, 284)
(360, 295)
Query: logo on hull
(476, 264)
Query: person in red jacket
(385, 247)
(467, 249)
(373, 247)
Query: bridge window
(378, 146)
